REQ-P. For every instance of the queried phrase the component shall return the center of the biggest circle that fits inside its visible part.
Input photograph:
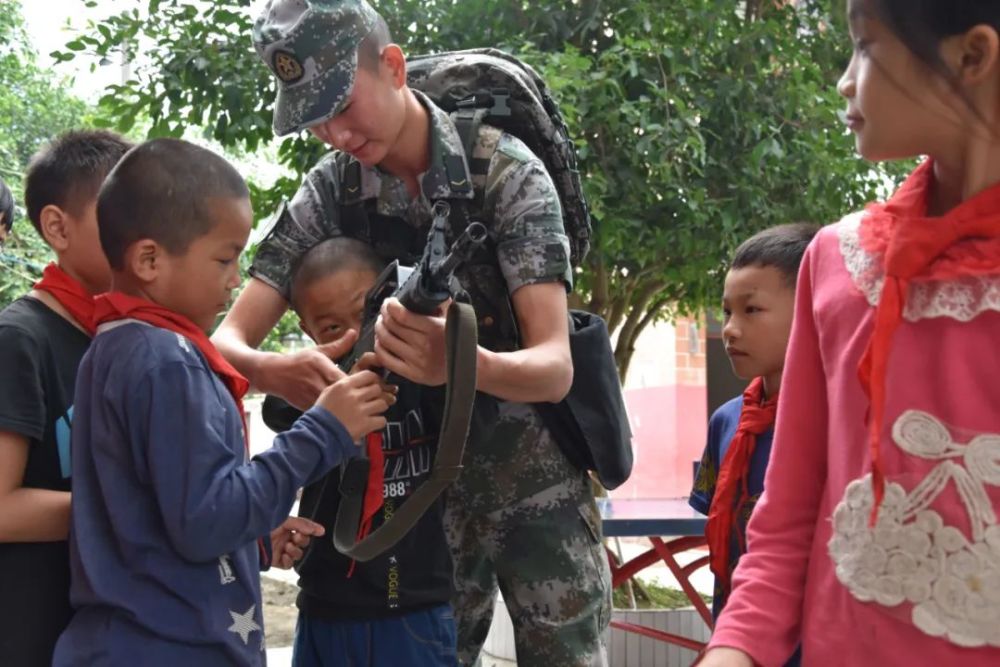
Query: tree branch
(626, 337)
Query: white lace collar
(962, 299)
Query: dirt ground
(279, 611)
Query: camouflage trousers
(545, 554)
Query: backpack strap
(467, 121)
(480, 141)
(353, 216)
(481, 275)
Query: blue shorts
(423, 638)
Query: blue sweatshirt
(167, 509)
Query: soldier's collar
(447, 177)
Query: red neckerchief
(915, 243)
(118, 306)
(70, 294)
(374, 491)
(756, 417)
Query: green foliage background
(699, 122)
(34, 106)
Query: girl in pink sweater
(876, 541)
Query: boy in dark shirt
(167, 508)
(43, 336)
(393, 610)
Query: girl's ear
(973, 55)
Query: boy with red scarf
(43, 336)
(758, 301)
(167, 508)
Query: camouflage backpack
(489, 86)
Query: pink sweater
(923, 587)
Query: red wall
(669, 425)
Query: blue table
(642, 518)
(672, 527)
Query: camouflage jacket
(519, 205)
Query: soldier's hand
(300, 377)
(411, 345)
(358, 401)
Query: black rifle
(422, 290)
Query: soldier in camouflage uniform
(520, 517)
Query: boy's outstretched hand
(290, 539)
(301, 376)
(358, 401)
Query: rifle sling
(460, 392)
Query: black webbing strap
(467, 122)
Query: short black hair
(68, 171)
(6, 206)
(158, 191)
(781, 247)
(328, 257)
(370, 48)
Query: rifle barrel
(462, 249)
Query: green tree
(34, 107)
(699, 121)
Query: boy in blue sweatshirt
(167, 508)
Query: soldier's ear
(393, 62)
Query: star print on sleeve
(244, 624)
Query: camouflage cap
(311, 47)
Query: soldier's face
(368, 128)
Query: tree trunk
(652, 313)
(636, 314)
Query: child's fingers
(363, 379)
(390, 396)
(303, 525)
(292, 552)
(301, 540)
(381, 404)
(365, 362)
(377, 391)
(367, 394)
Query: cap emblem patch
(287, 67)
